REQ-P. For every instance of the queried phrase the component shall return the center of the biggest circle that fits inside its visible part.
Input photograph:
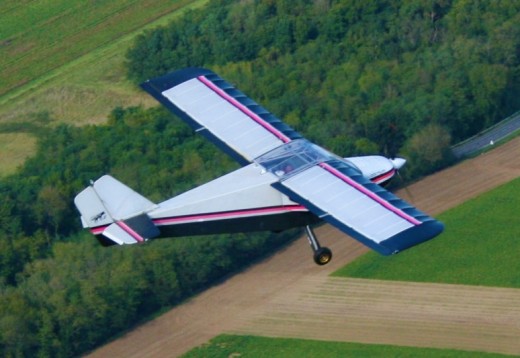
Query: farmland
(39, 37)
(67, 67)
(228, 346)
(350, 77)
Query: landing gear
(322, 255)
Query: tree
(428, 150)
(51, 206)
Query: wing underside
(216, 109)
(340, 195)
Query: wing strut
(322, 255)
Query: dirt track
(288, 295)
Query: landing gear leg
(322, 255)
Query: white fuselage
(248, 192)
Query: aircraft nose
(398, 163)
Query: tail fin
(115, 213)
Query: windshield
(293, 157)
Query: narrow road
(486, 138)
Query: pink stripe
(227, 215)
(244, 109)
(370, 194)
(129, 230)
(383, 177)
(98, 230)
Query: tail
(115, 213)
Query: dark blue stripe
(413, 236)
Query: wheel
(323, 256)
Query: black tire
(323, 256)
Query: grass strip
(251, 346)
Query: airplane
(285, 181)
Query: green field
(65, 61)
(40, 36)
(247, 346)
(14, 148)
(480, 246)
(71, 64)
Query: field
(68, 66)
(38, 37)
(247, 346)
(14, 147)
(288, 296)
(63, 62)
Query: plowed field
(287, 295)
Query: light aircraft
(285, 181)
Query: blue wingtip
(411, 237)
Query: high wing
(216, 109)
(363, 210)
(330, 187)
(336, 191)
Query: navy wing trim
(223, 114)
(340, 195)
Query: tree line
(61, 292)
(356, 77)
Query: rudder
(115, 213)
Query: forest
(389, 77)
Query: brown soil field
(287, 295)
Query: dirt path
(251, 300)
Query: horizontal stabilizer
(132, 231)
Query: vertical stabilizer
(112, 209)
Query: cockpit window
(293, 157)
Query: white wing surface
(219, 111)
(337, 193)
